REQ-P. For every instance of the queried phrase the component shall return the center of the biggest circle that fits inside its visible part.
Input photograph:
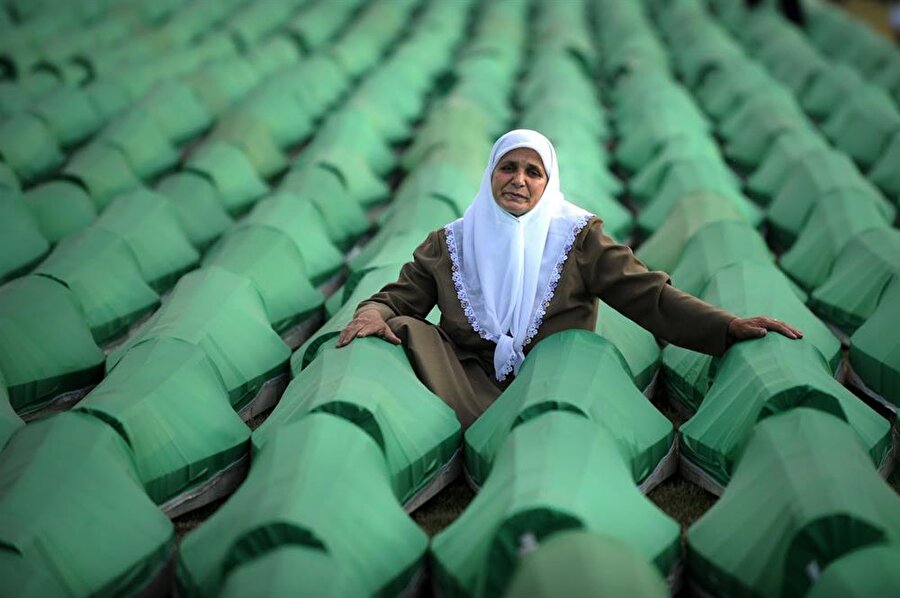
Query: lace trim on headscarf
(539, 312)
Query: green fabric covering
(223, 314)
(869, 571)
(276, 53)
(836, 220)
(862, 124)
(578, 372)
(69, 114)
(275, 574)
(46, 348)
(305, 489)
(785, 153)
(303, 223)
(640, 142)
(146, 222)
(316, 24)
(829, 88)
(874, 353)
(167, 400)
(351, 128)
(372, 278)
(344, 218)
(762, 378)
(885, 173)
(281, 113)
(232, 173)
(176, 108)
(861, 272)
(455, 122)
(28, 146)
(108, 96)
(20, 577)
(371, 384)
(637, 346)
(357, 177)
(143, 143)
(101, 271)
(746, 289)
(196, 204)
(9, 421)
(221, 83)
(60, 208)
(813, 177)
(580, 564)
(271, 260)
(804, 493)
(691, 177)
(441, 179)
(254, 138)
(716, 246)
(355, 291)
(758, 126)
(103, 171)
(21, 242)
(8, 180)
(663, 250)
(555, 472)
(396, 241)
(72, 506)
(648, 180)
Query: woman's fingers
(363, 328)
(743, 328)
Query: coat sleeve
(415, 291)
(612, 273)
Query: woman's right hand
(367, 323)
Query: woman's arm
(413, 294)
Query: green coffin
(29, 147)
(142, 141)
(146, 222)
(9, 421)
(166, 399)
(637, 346)
(863, 269)
(804, 494)
(371, 384)
(556, 472)
(578, 372)
(867, 571)
(885, 173)
(173, 105)
(103, 171)
(22, 243)
(784, 154)
(762, 378)
(72, 505)
(46, 348)
(101, 271)
(580, 564)
(320, 483)
(271, 260)
(232, 173)
(874, 352)
(60, 208)
(251, 135)
(69, 114)
(223, 314)
(197, 206)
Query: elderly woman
(520, 265)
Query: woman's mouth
(514, 196)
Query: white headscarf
(506, 268)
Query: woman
(521, 264)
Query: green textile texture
(578, 372)
(758, 379)
(275, 573)
(786, 152)
(22, 243)
(874, 352)
(102, 171)
(745, 289)
(885, 173)
(869, 571)
(146, 222)
(320, 483)
(69, 114)
(804, 494)
(223, 314)
(46, 348)
(22, 578)
(101, 271)
(864, 268)
(28, 146)
(9, 421)
(176, 108)
(73, 507)
(167, 401)
(143, 143)
(232, 173)
(303, 223)
(196, 204)
(637, 346)
(371, 384)
(271, 260)
(580, 564)
(8, 180)
(60, 208)
(251, 135)
(556, 472)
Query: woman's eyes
(532, 172)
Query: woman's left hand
(745, 328)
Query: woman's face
(518, 181)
